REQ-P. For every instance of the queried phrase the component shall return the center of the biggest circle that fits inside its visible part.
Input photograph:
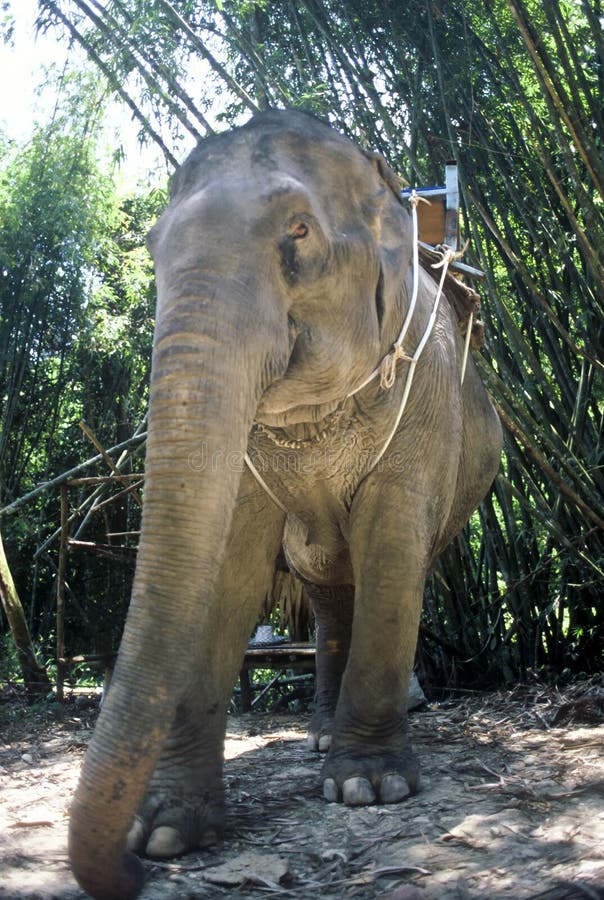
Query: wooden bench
(438, 219)
(299, 657)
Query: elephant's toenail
(324, 743)
(357, 792)
(165, 842)
(136, 836)
(330, 790)
(312, 742)
(393, 789)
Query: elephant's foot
(175, 820)
(369, 775)
(320, 729)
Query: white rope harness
(263, 483)
(387, 367)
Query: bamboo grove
(510, 90)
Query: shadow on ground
(511, 806)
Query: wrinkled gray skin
(283, 267)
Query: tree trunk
(35, 678)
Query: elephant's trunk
(205, 388)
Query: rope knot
(388, 366)
(447, 257)
(414, 199)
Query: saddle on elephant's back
(464, 300)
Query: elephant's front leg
(370, 759)
(333, 607)
(184, 804)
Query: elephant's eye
(303, 248)
(298, 230)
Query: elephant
(285, 264)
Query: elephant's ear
(392, 230)
(395, 182)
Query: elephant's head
(282, 266)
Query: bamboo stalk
(60, 618)
(34, 674)
(155, 61)
(11, 508)
(113, 466)
(206, 54)
(560, 103)
(115, 34)
(111, 78)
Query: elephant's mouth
(302, 415)
(319, 377)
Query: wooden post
(451, 206)
(63, 550)
(247, 695)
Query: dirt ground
(511, 806)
